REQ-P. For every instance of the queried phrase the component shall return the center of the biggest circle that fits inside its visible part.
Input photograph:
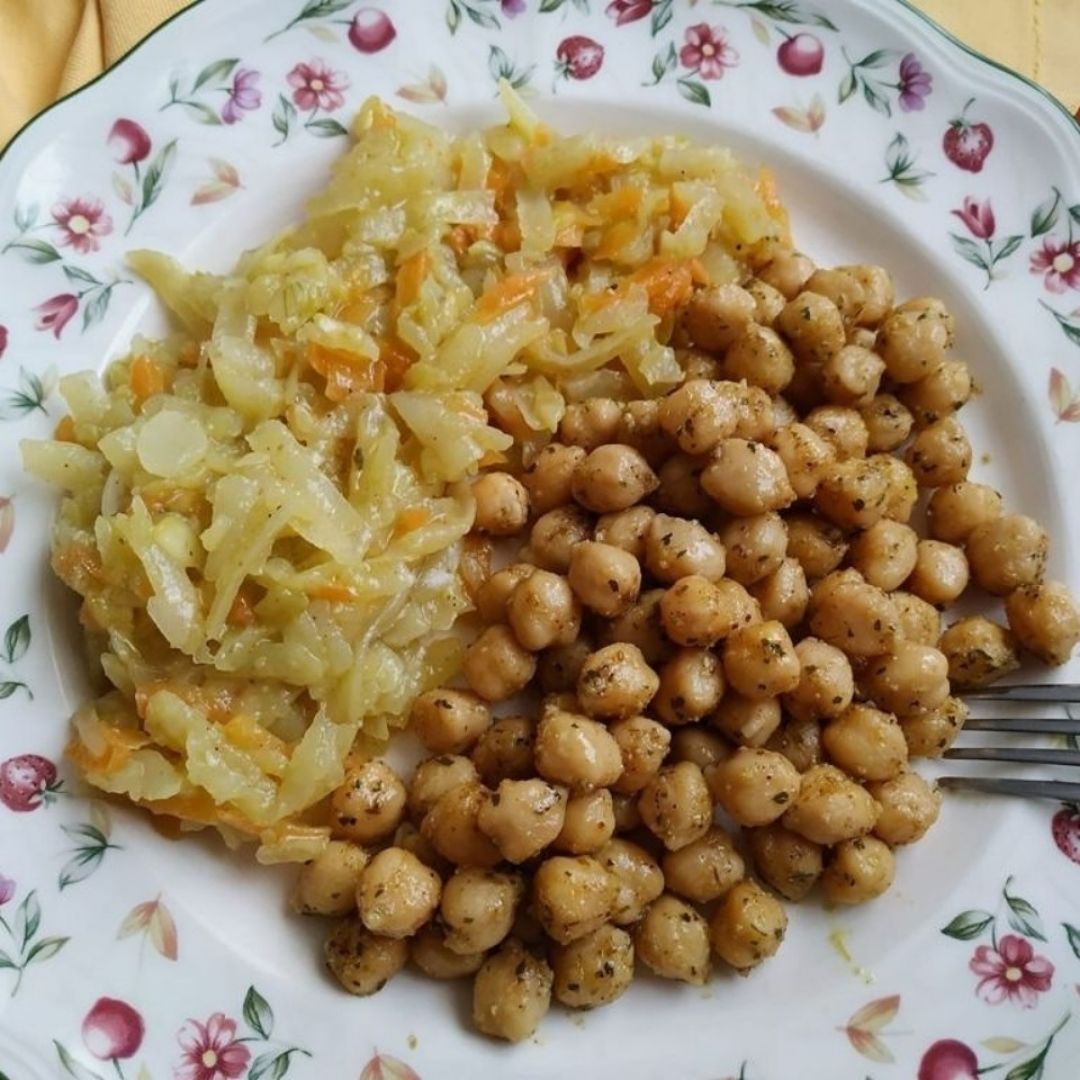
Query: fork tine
(1059, 790)
(1062, 693)
(1016, 755)
(1052, 726)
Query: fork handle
(1061, 693)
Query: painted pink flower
(211, 1050)
(915, 84)
(129, 142)
(628, 11)
(1011, 971)
(315, 86)
(56, 312)
(112, 1029)
(707, 51)
(1059, 261)
(3, 339)
(82, 223)
(978, 217)
(512, 8)
(7, 889)
(244, 95)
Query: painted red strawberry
(578, 57)
(801, 55)
(1065, 828)
(966, 144)
(27, 782)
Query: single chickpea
(918, 621)
(746, 721)
(979, 652)
(1007, 553)
(799, 740)
(475, 565)
(543, 611)
(956, 509)
(909, 806)
(502, 504)
(589, 823)
(866, 743)
(697, 744)
(930, 734)
(478, 908)
(756, 413)
(754, 786)
(453, 827)
(361, 961)
(590, 423)
(819, 546)
(858, 870)
(691, 685)
(901, 488)
(913, 343)
(672, 941)
(805, 455)
(429, 953)
(370, 803)
(327, 883)
(639, 626)
(1045, 620)
(548, 477)
(888, 423)
(760, 660)
(755, 546)
(573, 896)
(626, 529)
(844, 289)
(676, 548)
(433, 778)
(717, 315)
(784, 595)
(555, 535)
(699, 415)
(706, 868)
(397, 893)
(862, 336)
(643, 744)
(680, 490)
(785, 270)
(505, 751)
(699, 612)
(523, 817)
(784, 860)
(826, 684)
(511, 993)
(604, 578)
(613, 477)
(627, 815)
(493, 594)
(496, 666)
(941, 572)
(912, 678)
(747, 926)
(813, 327)
(842, 427)
(675, 805)
(885, 554)
(594, 970)
(940, 454)
(853, 615)
(640, 427)
(830, 807)
(852, 375)
(853, 494)
(695, 363)
(637, 876)
(576, 751)
(940, 394)
(616, 682)
(747, 478)
(768, 301)
(878, 293)
(761, 357)
(449, 721)
(408, 837)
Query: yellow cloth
(54, 46)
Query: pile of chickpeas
(731, 634)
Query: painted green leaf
(968, 925)
(215, 72)
(257, 1013)
(17, 639)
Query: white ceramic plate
(124, 954)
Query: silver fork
(1061, 790)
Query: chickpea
(747, 926)
(912, 678)
(572, 896)
(784, 269)
(930, 734)
(639, 427)
(1007, 553)
(449, 721)
(505, 751)
(543, 611)
(637, 877)
(626, 529)
(695, 363)
(672, 941)
(547, 478)
(625, 809)
(396, 893)
(761, 357)
(429, 953)
(453, 827)
(717, 315)
(813, 327)
(695, 743)
(940, 394)
(555, 535)
(842, 288)
(830, 807)
(676, 548)
(640, 626)
(888, 423)
(747, 478)
(799, 740)
(756, 413)
(327, 883)
(523, 817)
(826, 685)
(745, 721)
(493, 594)
(859, 870)
(604, 578)
(643, 744)
(576, 751)
(909, 806)
(768, 301)
(913, 343)
(511, 993)
(691, 685)
(853, 615)
(615, 682)
(475, 565)
(613, 477)
(496, 666)
(805, 390)
(1045, 620)
(433, 778)
(885, 554)
(699, 415)
(361, 961)
(675, 805)
(852, 375)
(408, 837)
(784, 595)
(706, 868)
(695, 611)
(755, 546)
(919, 621)
(878, 292)
(502, 504)
(940, 574)
(680, 490)
(478, 909)
(901, 488)
(842, 427)
(590, 423)
(817, 545)
(931, 307)
(370, 803)
(979, 652)
(754, 786)
(594, 970)
(760, 660)
(589, 823)
(940, 454)
(852, 493)
(866, 743)
(805, 455)
(955, 510)
(783, 859)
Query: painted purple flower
(915, 84)
(244, 95)
(56, 312)
(978, 217)
(1059, 262)
(707, 51)
(7, 889)
(211, 1050)
(112, 1029)
(3, 339)
(510, 8)
(1012, 971)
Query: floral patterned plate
(124, 954)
